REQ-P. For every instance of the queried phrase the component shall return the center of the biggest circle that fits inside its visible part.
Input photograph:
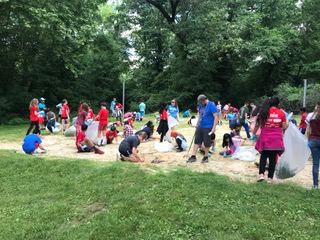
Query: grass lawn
(79, 199)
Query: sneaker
(192, 159)
(212, 149)
(315, 187)
(205, 160)
(98, 151)
(261, 178)
(270, 180)
(36, 152)
(179, 150)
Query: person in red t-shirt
(303, 124)
(65, 115)
(34, 115)
(112, 134)
(90, 113)
(84, 144)
(103, 122)
(118, 109)
(270, 144)
(163, 127)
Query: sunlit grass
(79, 199)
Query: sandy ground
(59, 146)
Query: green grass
(78, 199)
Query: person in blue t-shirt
(205, 127)
(187, 113)
(142, 109)
(113, 112)
(31, 142)
(173, 111)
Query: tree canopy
(162, 49)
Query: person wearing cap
(205, 127)
(42, 108)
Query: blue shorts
(141, 113)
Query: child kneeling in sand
(128, 147)
(31, 142)
(84, 144)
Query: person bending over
(31, 142)
(128, 148)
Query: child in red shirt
(65, 115)
(103, 122)
(112, 134)
(163, 125)
(34, 115)
(303, 124)
(84, 144)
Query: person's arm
(308, 132)
(135, 153)
(42, 147)
(215, 115)
(285, 125)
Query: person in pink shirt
(270, 144)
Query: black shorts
(87, 149)
(202, 136)
(125, 151)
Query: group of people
(265, 127)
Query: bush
(17, 121)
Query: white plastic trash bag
(92, 131)
(56, 128)
(70, 132)
(163, 146)
(172, 122)
(296, 153)
(245, 153)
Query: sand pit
(59, 146)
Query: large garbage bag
(92, 131)
(245, 153)
(71, 131)
(296, 153)
(163, 146)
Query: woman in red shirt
(163, 125)
(34, 115)
(270, 144)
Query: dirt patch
(59, 146)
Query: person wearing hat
(205, 127)
(42, 108)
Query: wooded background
(162, 49)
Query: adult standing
(142, 109)
(205, 127)
(113, 112)
(34, 115)
(272, 121)
(313, 134)
(243, 117)
(173, 110)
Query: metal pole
(304, 92)
(123, 93)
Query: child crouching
(84, 144)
